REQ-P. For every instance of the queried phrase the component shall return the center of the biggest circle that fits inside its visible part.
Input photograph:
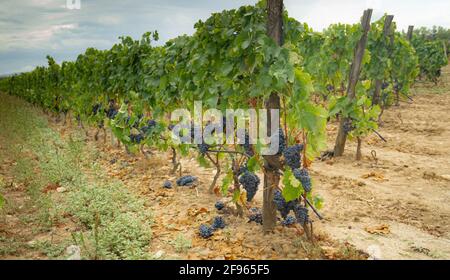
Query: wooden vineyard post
(410, 33)
(445, 48)
(355, 71)
(272, 163)
(379, 83)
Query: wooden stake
(355, 71)
(409, 35)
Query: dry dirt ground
(402, 186)
(395, 203)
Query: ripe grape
(348, 126)
(282, 205)
(218, 223)
(203, 148)
(206, 231)
(301, 213)
(289, 220)
(250, 182)
(111, 113)
(303, 176)
(219, 205)
(384, 86)
(150, 125)
(186, 180)
(255, 216)
(292, 156)
(136, 138)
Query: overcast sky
(31, 29)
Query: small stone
(374, 252)
(204, 253)
(73, 252)
(61, 190)
(158, 254)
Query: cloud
(109, 20)
(31, 29)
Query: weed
(182, 244)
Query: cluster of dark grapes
(250, 182)
(218, 223)
(203, 148)
(150, 125)
(111, 112)
(348, 126)
(207, 231)
(289, 220)
(301, 213)
(282, 205)
(255, 216)
(136, 138)
(302, 175)
(186, 180)
(219, 205)
(384, 85)
(292, 156)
